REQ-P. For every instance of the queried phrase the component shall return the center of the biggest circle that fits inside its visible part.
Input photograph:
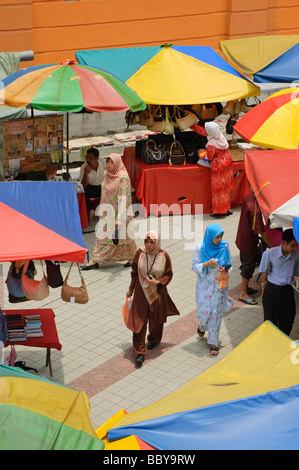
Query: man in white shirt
(278, 266)
(91, 177)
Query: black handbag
(153, 154)
(54, 275)
(139, 147)
(115, 238)
(191, 149)
(230, 125)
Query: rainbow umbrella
(37, 414)
(172, 75)
(68, 87)
(274, 123)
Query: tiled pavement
(96, 353)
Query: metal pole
(26, 55)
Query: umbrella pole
(67, 144)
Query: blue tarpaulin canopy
(40, 220)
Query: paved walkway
(96, 353)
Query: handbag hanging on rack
(146, 117)
(54, 276)
(78, 295)
(169, 126)
(153, 154)
(34, 290)
(159, 120)
(184, 118)
(177, 154)
(208, 111)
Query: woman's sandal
(214, 350)
(200, 333)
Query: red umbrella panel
(273, 175)
(274, 123)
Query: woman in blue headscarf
(212, 261)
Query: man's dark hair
(288, 235)
(93, 151)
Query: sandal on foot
(200, 333)
(214, 350)
(249, 301)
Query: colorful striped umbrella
(68, 87)
(172, 75)
(274, 123)
(37, 414)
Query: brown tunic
(140, 312)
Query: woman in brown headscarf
(151, 272)
(115, 213)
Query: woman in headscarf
(151, 273)
(115, 214)
(221, 168)
(212, 263)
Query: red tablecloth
(162, 184)
(50, 339)
(82, 210)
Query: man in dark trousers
(251, 225)
(278, 266)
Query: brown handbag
(208, 111)
(177, 154)
(78, 295)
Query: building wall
(55, 29)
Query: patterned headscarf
(151, 263)
(111, 183)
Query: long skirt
(279, 306)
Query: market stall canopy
(170, 75)
(273, 175)
(68, 87)
(296, 228)
(38, 414)
(272, 58)
(40, 220)
(274, 123)
(247, 400)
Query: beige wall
(55, 29)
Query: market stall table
(160, 186)
(49, 340)
(82, 210)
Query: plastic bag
(126, 310)
(222, 278)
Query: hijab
(151, 263)
(111, 183)
(215, 136)
(209, 250)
